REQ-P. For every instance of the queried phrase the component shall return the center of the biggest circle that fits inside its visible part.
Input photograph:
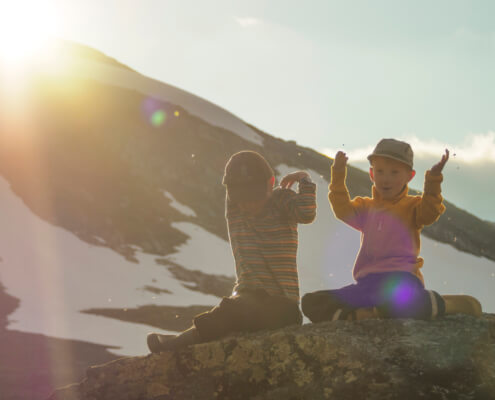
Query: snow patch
(56, 275)
(203, 251)
(183, 209)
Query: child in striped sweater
(262, 223)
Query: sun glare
(25, 27)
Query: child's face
(389, 176)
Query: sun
(25, 27)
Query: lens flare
(399, 291)
(156, 112)
(158, 118)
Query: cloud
(354, 155)
(474, 149)
(247, 21)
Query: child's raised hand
(288, 180)
(340, 161)
(438, 167)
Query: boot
(355, 314)
(462, 304)
(366, 313)
(158, 343)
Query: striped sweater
(265, 246)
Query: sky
(331, 75)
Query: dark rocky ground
(451, 358)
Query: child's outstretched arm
(438, 167)
(300, 206)
(345, 209)
(431, 207)
(340, 161)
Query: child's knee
(308, 302)
(319, 306)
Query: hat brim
(388, 156)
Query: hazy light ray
(50, 285)
(22, 148)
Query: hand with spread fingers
(340, 161)
(288, 180)
(438, 167)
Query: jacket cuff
(337, 179)
(432, 183)
(306, 185)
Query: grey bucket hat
(394, 149)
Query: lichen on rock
(449, 358)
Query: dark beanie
(246, 167)
(246, 175)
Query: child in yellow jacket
(387, 270)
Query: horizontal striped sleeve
(265, 246)
(300, 206)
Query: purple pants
(394, 294)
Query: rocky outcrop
(450, 358)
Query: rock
(450, 358)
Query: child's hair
(394, 149)
(246, 176)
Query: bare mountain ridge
(105, 167)
(76, 50)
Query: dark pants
(250, 311)
(394, 294)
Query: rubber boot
(462, 304)
(158, 343)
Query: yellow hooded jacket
(390, 229)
